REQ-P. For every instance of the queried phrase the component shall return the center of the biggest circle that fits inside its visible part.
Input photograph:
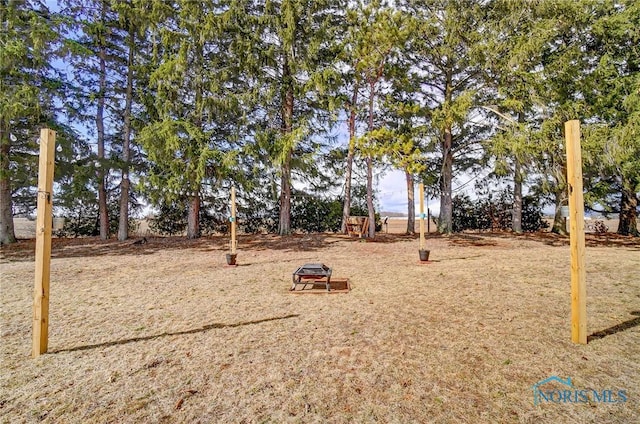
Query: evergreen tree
(614, 99)
(197, 110)
(289, 61)
(512, 57)
(29, 43)
(96, 62)
(448, 51)
(381, 34)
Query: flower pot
(231, 258)
(424, 255)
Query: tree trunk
(559, 222)
(516, 214)
(7, 232)
(284, 226)
(123, 219)
(346, 208)
(103, 212)
(445, 222)
(411, 205)
(369, 160)
(193, 217)
(628, 224)
(370, 208)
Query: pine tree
(449, 50)
(614, 99)
(198, 117)
(512, 55)
(96, 60)
(380, 33)
(289, 62)
(29, 43)
(133, 25)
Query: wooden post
(576, 234)
(233, 220)
(422, 240)
(43, 243)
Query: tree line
(170, 103)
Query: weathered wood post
(233, 221)
(43, 243)
(422, 239)
(576, 233)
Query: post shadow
(616, 328)
(202, 329)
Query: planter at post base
(424, 255)
(231, 258)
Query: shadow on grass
(481, 238)
(202, 329)
(315, 241)
(616, 328)
(24, 250)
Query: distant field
(396, 225)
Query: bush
(172, 219)
(494, 212)
(311, 214)
(81, 218)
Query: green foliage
(250, 91)
(81, 215)
(171, 219)
(493, 212)
(312, 214)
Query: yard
(164, 332)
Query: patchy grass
(163, 332)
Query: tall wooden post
(233, 220)
(422, 240)
(43, 243)
(576, 233)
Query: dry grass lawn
(163, 332)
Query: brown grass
(163, 332)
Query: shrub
(494, 212)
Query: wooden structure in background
(44, 223)
(358, 226)
(576, 233)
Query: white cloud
(392, 194)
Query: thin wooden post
(43, 243)
(422, 240)
(576, 233)
(233, 220)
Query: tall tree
(382, 32)
(512, 58)
(197, 109)
(290, 63)
(448, 54)
(29, 43)
(96, 44)
(614, 99)
(133, 24)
